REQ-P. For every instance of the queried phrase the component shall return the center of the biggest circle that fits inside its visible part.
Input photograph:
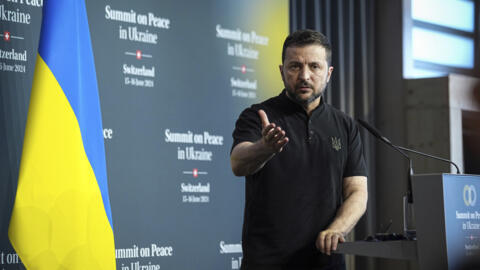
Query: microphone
(408, 220)
(430, 156)
(377, 135)
(374, 132)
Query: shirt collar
(291, 105)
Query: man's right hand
(249, 157)
(273, 138)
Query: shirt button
(311, 132)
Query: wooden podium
(447, 215)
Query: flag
(61, 218)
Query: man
(306, 184)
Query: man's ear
(280, 67)
(330, 70)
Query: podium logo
(469, 195)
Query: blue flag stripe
(66, 48)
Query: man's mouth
(304, 88)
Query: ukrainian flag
(61, 218)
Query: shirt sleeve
(248, 127)
(356, 165)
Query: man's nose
(305, 74)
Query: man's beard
(304, 102)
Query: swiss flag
(244, 69)
(139, 54)
(195, 173)
(6, 36)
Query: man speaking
(306, 184)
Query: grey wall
(391, 168)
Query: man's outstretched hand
(273, 137)
(249, 157)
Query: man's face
(305, 73)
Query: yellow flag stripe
(58, 221)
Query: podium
(447, 215)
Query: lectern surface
(400, 249)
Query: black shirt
(298, 192)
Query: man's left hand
(328, 240)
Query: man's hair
(306, 37)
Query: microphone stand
(408, 214)
(409, 228)
(408, 218)
(430, 156)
